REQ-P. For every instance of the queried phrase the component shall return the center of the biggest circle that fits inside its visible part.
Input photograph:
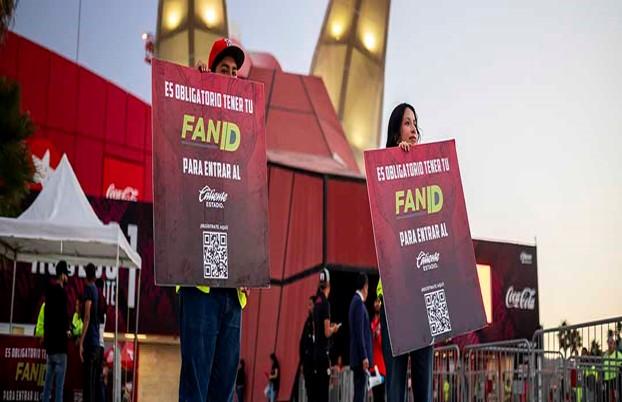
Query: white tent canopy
(61, 224)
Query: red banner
(209, 179)
(23, 365)
(423, 243)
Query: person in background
(240, 381)
(274, 379)
(612, 362)
(307, 340)
(403, 132)
(360, 339)
(101, 316)
(376, 334)
(89, 340)
(56, 333)
(324, 329)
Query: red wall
(104, 130)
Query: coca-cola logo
(521, 299)
(212, 198)
(126, 194)
(526, 258)
(428, 261)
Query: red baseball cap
(225, 47)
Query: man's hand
(202, 67)
(81, 351)
(366, 364)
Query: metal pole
(13, 293)
(134, 374)
(117, 369)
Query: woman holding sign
(403, 132)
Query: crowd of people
(210, 319)
(86, 328)
(210, 346)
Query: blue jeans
(55, 371)
(210, 344)
(420, 367)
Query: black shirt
(321, 312)
(55, 320)
(276, 382)
(306, 343)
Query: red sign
(209, 179)
(23, 366)
(423, 243)
(123, 180)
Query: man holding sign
(424, 249)
(209, 198)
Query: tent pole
(134, 374)
(117, 353)
(13, 294)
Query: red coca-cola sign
(123, 180)
(524, 299)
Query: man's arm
(358, 333)
(85, 325)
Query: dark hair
(61, 268)
(395, 123)
(273, 358)
(361, 281)
(90, 271)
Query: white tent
(61, 225)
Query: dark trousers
(210, 344)
(360, 384)
(397, 368)
(89, 371)
(321, 382)
(378, 392)
(101, 387)
(307, 371)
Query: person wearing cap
(210, 318)
(56, 333)
(612, 370)
(324, 329)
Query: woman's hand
(405, 146)
(202, 67)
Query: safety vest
(40, 320)
(205, 289)
(379, 292)
(76, 325)
(613, 363)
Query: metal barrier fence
(577, 363)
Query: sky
(530, 90)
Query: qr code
(215, 260)
(438, 314)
